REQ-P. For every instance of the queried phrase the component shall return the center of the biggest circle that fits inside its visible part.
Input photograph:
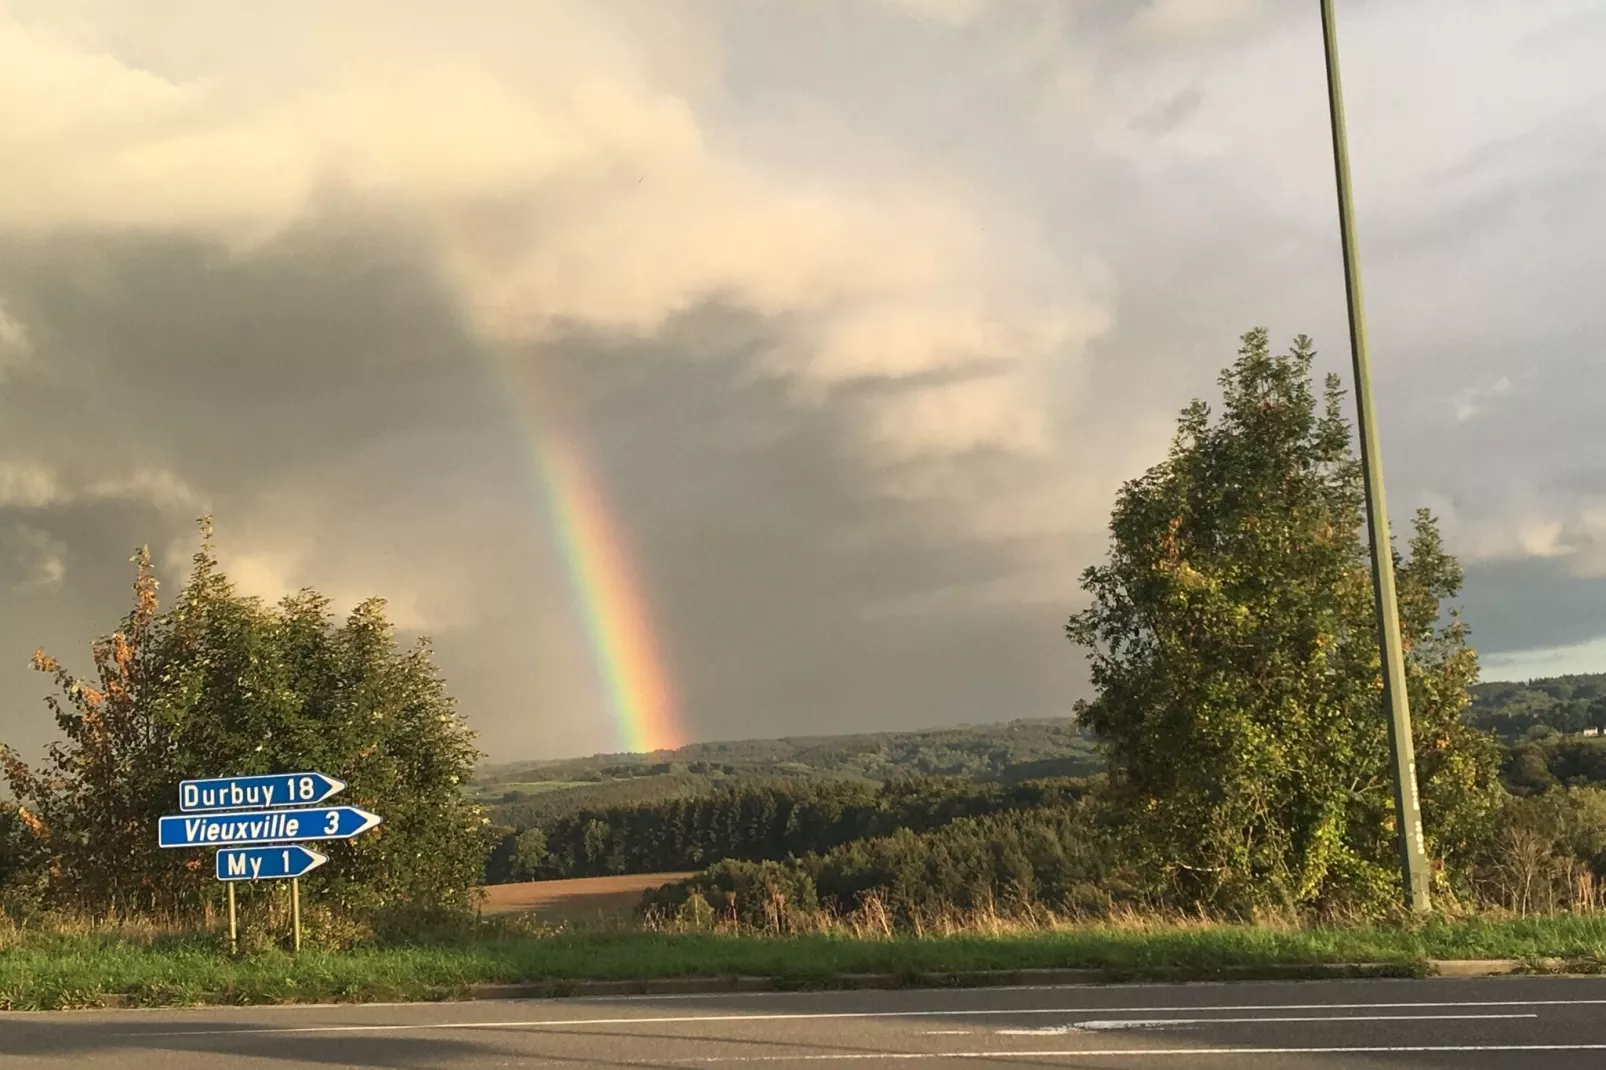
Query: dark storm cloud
(369, 416)
(766, 555)
(317, 394)
(1531, 604)
(267, 360)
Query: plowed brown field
(588, 897)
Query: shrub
(222, 684)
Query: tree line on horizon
(754, 821)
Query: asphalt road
(1520, 1022)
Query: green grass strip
(41, 971)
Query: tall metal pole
(1407, 808)
(295, 910)
(234, 931)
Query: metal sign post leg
(295, 909)
(234, 931)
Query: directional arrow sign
(267, 863)
(264, 826)
(274, 789)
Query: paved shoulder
(1496, 1023)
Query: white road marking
(945, 1032)
(1088, 1053)
(1161, 1023)
(806, 1016)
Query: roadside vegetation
(145, 964)
(220, 682)
(1223, 801)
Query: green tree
(1234, 656)
(529, 854)
(222, 684)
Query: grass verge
(65, 970)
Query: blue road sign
(267, 863)
(250, 792)
(264, 826)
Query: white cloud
(1471, 400)
(29, 485)
(1182, 19)
(560, 191)
(42, 557)
(35, 485)
(1583, 538)
(159, 487)
(949, 419)
(1572, 531)
(951, 13)
(14, 345)
(270, 572)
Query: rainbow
(603, 586)
(615, 615)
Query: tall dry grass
(872, 919)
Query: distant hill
(520, 794)
(1564, 703)
(517, 809)
(979, 751)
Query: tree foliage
(1023, 749)
(1234, 655)
(754, 821)
(1567, 704)
(1047, 855)
(221, 684)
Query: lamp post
(1407, 808)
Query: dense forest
(520, 795)
(756, 820)
(1565, 704)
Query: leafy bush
(220, 684)
(1550, 853)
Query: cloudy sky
(857, 311)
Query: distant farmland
(585, 899)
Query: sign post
(253, 821)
